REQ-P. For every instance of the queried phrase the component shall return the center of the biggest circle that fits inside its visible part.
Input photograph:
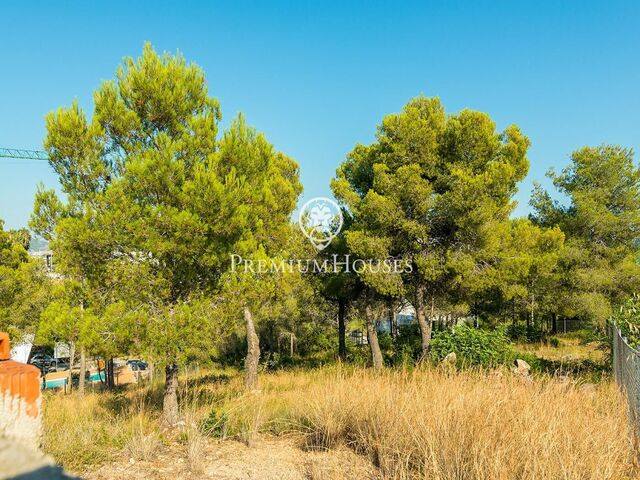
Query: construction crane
(23, 154)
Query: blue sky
(317, 77)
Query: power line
(23, 154)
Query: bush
(357, 354)
(524, 333)
(407, 345)
(214, 425)
(627, 318)
(485, 348)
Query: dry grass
(194, 440)
(440, 425)
(429, 424)
(79, 432)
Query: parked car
(43, 361)
(60, 364)
(137, 365)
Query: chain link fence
(626, 369)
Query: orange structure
(19, 397)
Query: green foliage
(316, 338)
(157, 202)
(524, 333)
(627, 319)
(406, 344)
(157, 199)
(64, 319)
(435, 190)
(214, 424)
(21, 237)
(412, 189)
(485, 348)
(526, 275)
(358, 354)
(599, 268)
(24, 286)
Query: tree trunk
(342, 330)
(291, 344)
(100, 371)
(83, 371)
(421, 316)
(170, 400)
(82, 359)
(253, 352)
(372, 337)
(72, 356)
(391, 319)
(532, 322)
(554, 323)
(269, 347)
(432, 315)
(111, 381)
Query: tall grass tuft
(451, 425)
(79, 432)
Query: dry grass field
(351, 423)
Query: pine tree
(157, 203)
(432, 190)
(601, 220)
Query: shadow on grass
(208, 379)
(583, 369)
(122, 400)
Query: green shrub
(407, 344)
(214, 425)
(486, 348)
(554, 342)
(357, 354)
(524, 333)
(385, 341)
(627, 318)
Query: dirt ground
(267, 458)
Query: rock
(450, 359)
(522, 367)
(522, 370)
